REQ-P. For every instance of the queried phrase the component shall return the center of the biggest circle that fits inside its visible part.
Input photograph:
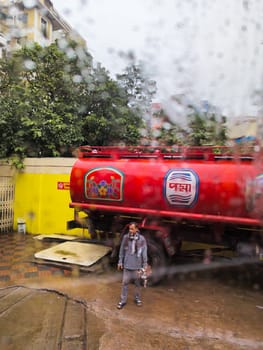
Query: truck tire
(157, 261)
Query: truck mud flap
(73, 224)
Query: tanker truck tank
(166, 192)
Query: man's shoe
(120, 305)
(138, 302)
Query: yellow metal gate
(7, 189)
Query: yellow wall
(38, 201)
(30, 24)
(34, 18)
(30, 18)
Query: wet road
(219, 308)
(39, 319)
(195, 312)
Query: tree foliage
(42, 102)
(140, 90)
(53, 99)
(138, 87)
(202, 128)
(110, 119)
(206, 129)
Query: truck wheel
(157, 261)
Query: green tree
(41, 105)
(168, 133)
(206, 128)
(140, 90)
(53, 100)
(110, 119)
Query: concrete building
(243, 130)
(40, 23)
(3, 30)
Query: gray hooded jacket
(133, 252)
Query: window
(23, 17)
(44, 27)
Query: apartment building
(38, 22)
(3, 29)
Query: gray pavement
(38, 319)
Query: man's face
(132, 229)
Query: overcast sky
(207, 50)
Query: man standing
(132, 259)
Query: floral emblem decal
(104, 184)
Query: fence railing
(7, 190)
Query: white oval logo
(181, 187)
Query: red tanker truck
(202, 194)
